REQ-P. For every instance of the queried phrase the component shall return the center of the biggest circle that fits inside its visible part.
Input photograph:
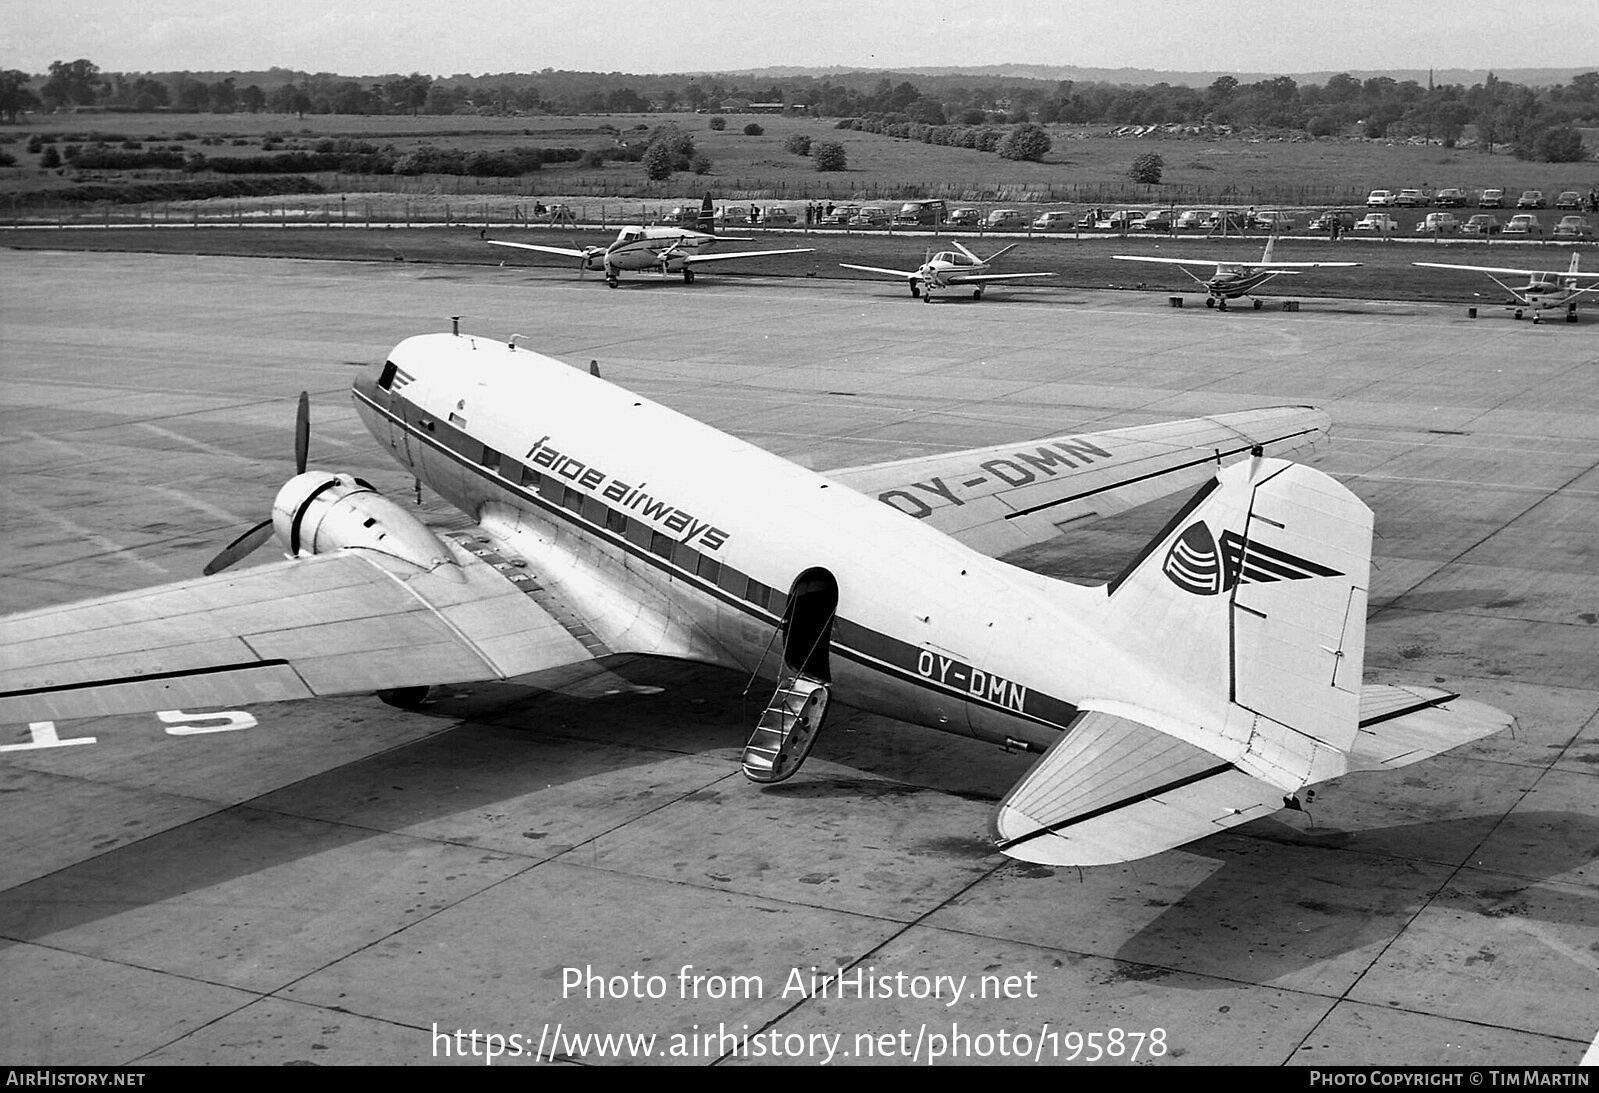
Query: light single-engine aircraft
(1211, 683)
(1545, 290)
(659, 248)
(1233, 280)
(950, 268)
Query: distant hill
(1144, 77)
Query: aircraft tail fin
(706, 221)
(1576, 257)
(1248, 614)
(1271, 242)
(1251, 607)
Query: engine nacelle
(316, 513)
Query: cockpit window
(386, 379)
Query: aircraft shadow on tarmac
(1285, 900)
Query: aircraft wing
(1005, 497)
(1279, 266)
(1505, 269)
(969, 278)
(697, 259)
(905, 274)
(1173, 261)
(336, 623)
(567, 251)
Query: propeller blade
(302, 432)
(240, 548)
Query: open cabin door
(792, 719)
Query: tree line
(1531, 122)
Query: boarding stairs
(787, 729)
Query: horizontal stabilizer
(1113, 790)
(1403, 725)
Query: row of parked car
(1271, 221)
(1569, 227)
(1451, 196)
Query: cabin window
(572, 499)
(661, 543)
(491, 459)
(709, 568)
(594, 510)
(530, 477)
(685, 556)
(733, 581)
(615, 521)
(638, 533)
(759, 594)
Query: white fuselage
(658, 249)
(677, 539)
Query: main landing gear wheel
(1257, 304)
(688, 276)
(1210, 301)
(404, 698)
(977, 294)
(1517, 314)
(1221, 305)
(916, 291)
(611, 279)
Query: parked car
(1192, 219)
(1378, 199)
(1482, 224)
(1344, 218)
(1450, 197)
(1568, 199)
(1229, 220)
(1157, 221)
(928, 211)
(1530, 199)
(683, 214)
(1121, 220)
(1491, 199)
(1054, 220)
(841, 214)
(871, 216)
(1377, 222)
(733, 214)
(1271, 220)
(1439, 224)
(1573, 227)
(776, 214)
(1006, 218)
(968, 218)
(1523, 224)
(1409, 199)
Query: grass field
(1085, 165)
(1386, 273)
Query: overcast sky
(447, 37)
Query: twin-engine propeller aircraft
(662, 249)
(1209, 684)
(1545, 290)
(1234, 280)
(950, 268)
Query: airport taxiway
(342, 882)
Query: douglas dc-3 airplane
(1545, 290)
(951, 267)
(1209, 684)
(1233, 280)
(664, 250)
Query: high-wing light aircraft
(1233, 280)
(949, 268)
(662, 249)
(1209, 684)
(1545, 290)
